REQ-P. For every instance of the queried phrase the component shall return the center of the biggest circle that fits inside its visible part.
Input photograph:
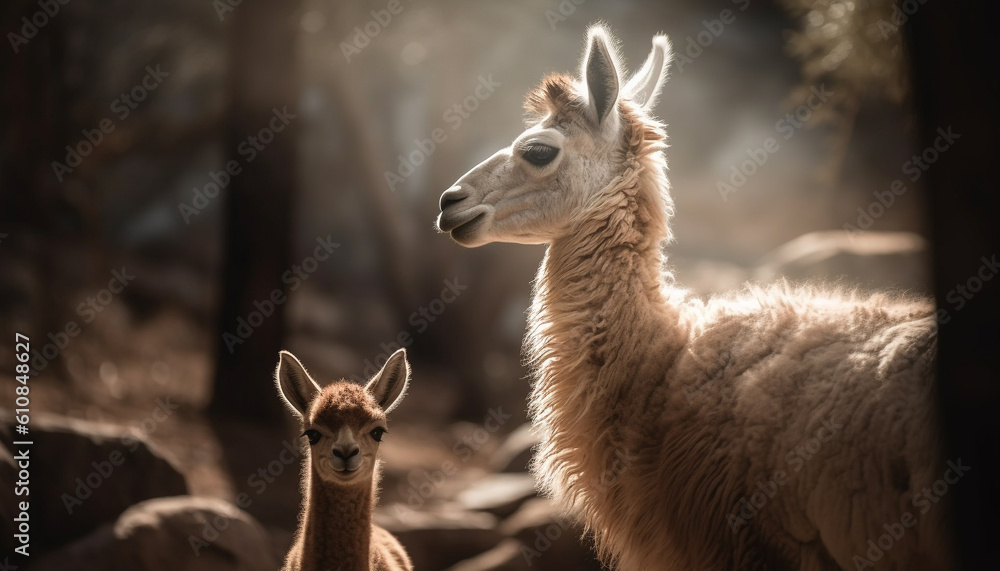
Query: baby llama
(773, 428)
(344, 424)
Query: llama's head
(575, 146)
(343, 422)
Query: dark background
(136, 204)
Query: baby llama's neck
(337, 526)
(597, 315)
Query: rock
(506, 556)
(439, 537)
(549, 540)
(499, 494)
(89, 475)
(515, 454)
(871, 260)
(165, 534)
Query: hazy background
(359, 104)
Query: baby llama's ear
(644, 87)
(297, 388)
(389, 385)
(600, 74)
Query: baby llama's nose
(346, 452)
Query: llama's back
(818, 409)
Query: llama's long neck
(603, 281)
(597, 286)
(599, 307)
(337, 525)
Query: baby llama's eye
(540, 155)
(377, 433)
(312, 435)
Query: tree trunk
(43, 220)
(955, 91)
(263, 84)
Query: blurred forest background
(135, 260)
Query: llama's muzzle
(346, 458)
(452, 196)
(455, 208)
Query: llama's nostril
(451, 196)
(346, 453)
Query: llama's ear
(644, 87)
(388, 386)
(600, 74)
(297, 388)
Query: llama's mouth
(344, 468)
(452, 218)
(466, 230)
(347, 475)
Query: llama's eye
(377, 433)
(540, 155)
(312, 435)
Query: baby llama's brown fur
(335, 529)
(659, 412)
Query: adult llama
(773, 428)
